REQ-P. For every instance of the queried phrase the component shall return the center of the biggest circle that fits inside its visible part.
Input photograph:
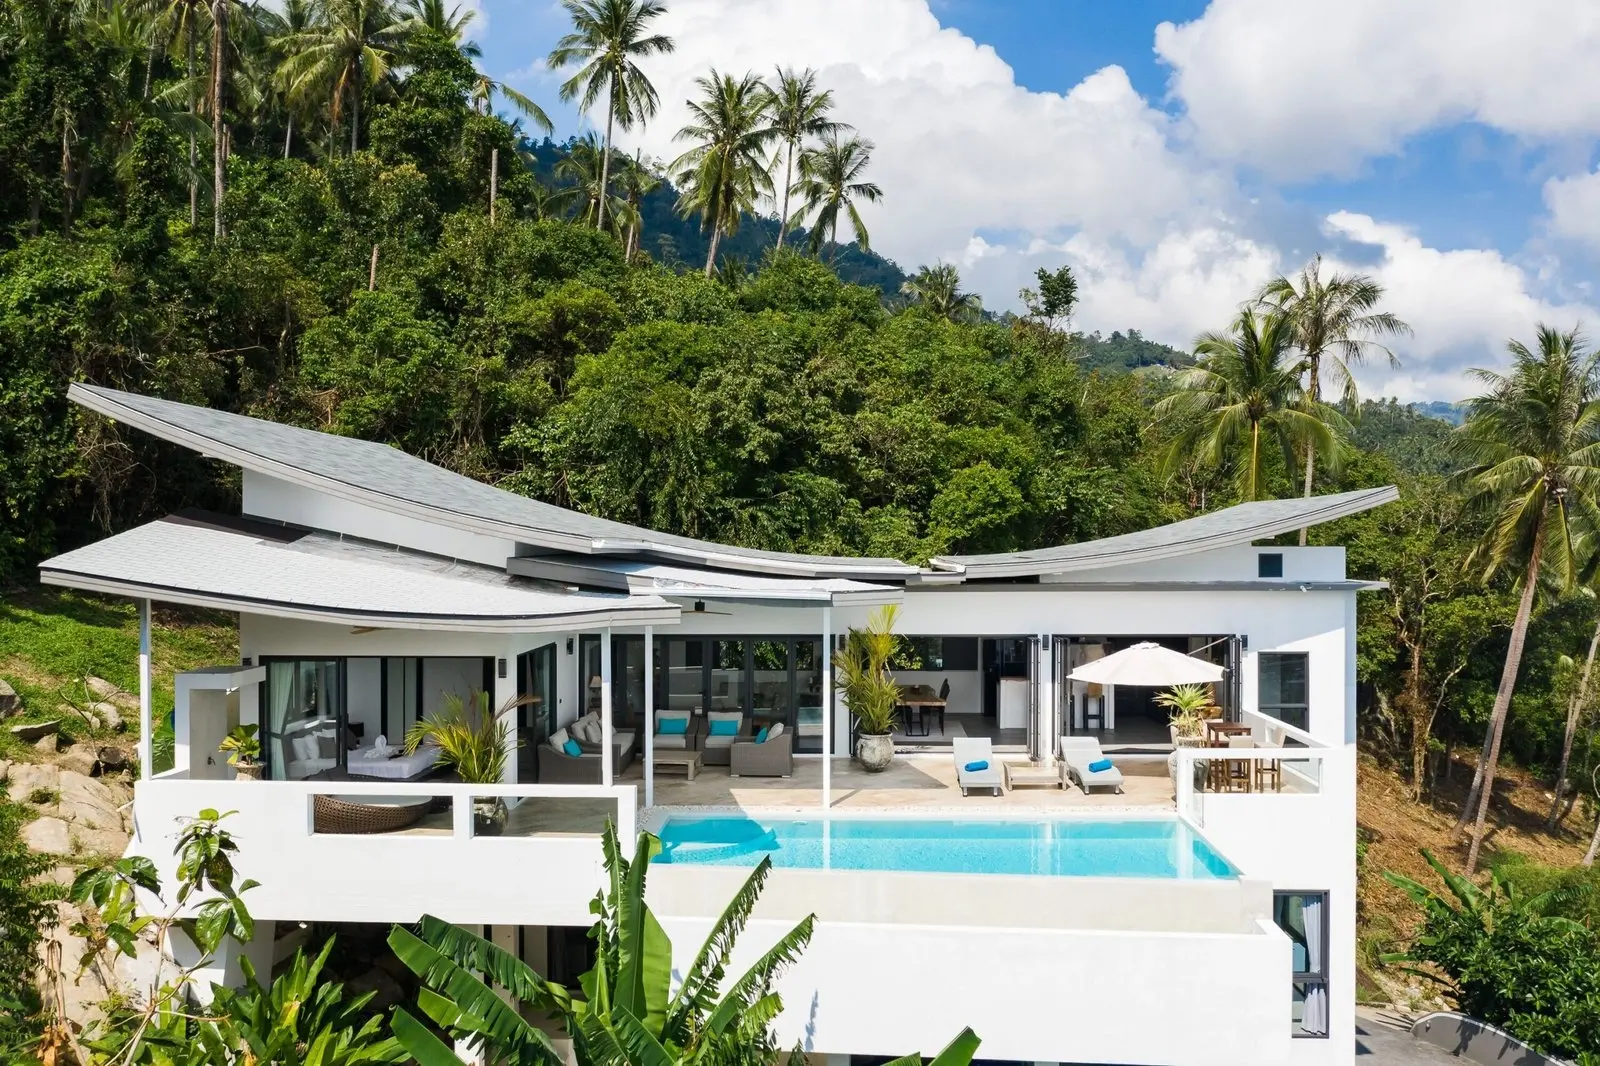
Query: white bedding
(399, 768)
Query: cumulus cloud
(1462, 304)
(1574, 205)
(1299, 89)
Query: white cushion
(677, 742)
(775, 730)
(558, 740)
(624, 741)
(304, 747)
(587, 730)
(720, 742)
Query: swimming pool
(1056, 847)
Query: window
(1283, 691)
(305, 732)
(935, 653)
(1304, 917)
(1269, 564)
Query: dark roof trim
(1164, 586)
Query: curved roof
(1243, 523)
(386, 478)
(241, 565)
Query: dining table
(920, 700)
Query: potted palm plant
(243, 745)
(861, 670)
(1189, 707)
(475, 743)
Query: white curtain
(1314, 1018)
(280, 686)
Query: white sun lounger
(1076, 755)
(976, 749)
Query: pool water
(1059, 847)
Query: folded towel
(1098, 765)
(975, 765)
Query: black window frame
(1269, 564)
(1274, 710)
(1308, 978)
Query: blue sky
(1178, 152)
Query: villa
(1203, 914)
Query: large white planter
(874, 753)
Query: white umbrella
(1148, 664)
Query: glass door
(536, 684)
(305, 733)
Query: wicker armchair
(773, 757)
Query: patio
(911, 781)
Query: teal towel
(975, 765)
(1098, 765)
(571, 748)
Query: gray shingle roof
(209, 561)
(1243, 523)
(383, 477)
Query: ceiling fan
(700, 608)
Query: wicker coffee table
(678, 758)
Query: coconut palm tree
(1247, 387)
(1336, 327)
(938, 288)
(345, 53)
(450, 21)
(179, 21)
(282, 28)
(724, 174)
(830, 185)
(636, 181)
(1531, 453)
(606, 39)
(581, 169)
(799, 110)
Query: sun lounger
(976, 749)
(1076, 755)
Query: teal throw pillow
(571, 747)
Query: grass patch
(44, 797)
(51, 639)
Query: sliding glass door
(536, 716)
(304, 718)
(771, 679)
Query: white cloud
(1574, 205)
(1298, 89)
(1462, 304)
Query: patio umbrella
(1148, 664)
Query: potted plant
(861, 670)
(474, 743)
(1190, 706)
(243, 746)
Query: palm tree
(581, 168)
(725, 173)
(345, 53)
(1334, 322)
(830, 184)
(451, 23)
(1531, 451)
(219, 135)
(798, 111)
(938, 288)
(636, 180)
(282, 29)
(180, 19)
(1247, 387)
(607, 37)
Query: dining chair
(1240, 771)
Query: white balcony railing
(543, 869)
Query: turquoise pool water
(1059, 847)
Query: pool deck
(910, 782)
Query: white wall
(268, 497)
(1239, 563)
(364, 696)
(1032, 995)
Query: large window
(1283, 690)
(935, 653)
(536, 714)
(305, 732)
(1304, 916)
(627, 678)
(771, 679)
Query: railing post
(649, 716)
(606, 710)
(627, 815)
(461, 815)
(147, 734)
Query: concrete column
(501, 700)
(649, 716)
(827, 707)
(146, 726)
(606, 760)
(223, 967)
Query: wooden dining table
(1224, 772)
(921, 699)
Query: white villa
(1205, 914)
